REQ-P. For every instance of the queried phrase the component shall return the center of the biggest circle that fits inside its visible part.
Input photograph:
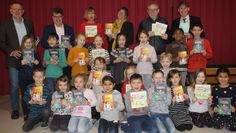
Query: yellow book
(182, 57)
(108, 28)
(37, 93)
(107, 102)
(97, 77)
(179, 93)
(138, 99)
(82, 55)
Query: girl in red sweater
(199, 50)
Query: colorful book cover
(78, 97)
(97, 77)
(91, 31)
(107, 102)
(98, 53)
(182, 57)
(160, 92)
(28, 55)
(57, 100)
(81, 56)
(202, 92)
(224, 106)
(145, 52)
(198, 46)
(159, 28)
(127, 88)
(65, 40)
(54, 56)
(37, 93)
(138, 99)
(108, 28)
(179, 93)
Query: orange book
(107, 102)
(37, 93)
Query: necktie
(184, 19)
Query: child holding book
(128, 72)
(26, 64)
(198, 107)
(109, 105)
(98, 51)
(178, 49)
(165, 60)
(180, 102)
(224, 97)
(160, 98)
(54, 60)
(137, 108)
(144, 56)
(37, 97)
(78, 57)
(61, 105)
(121, 56)
(84, 99)
(199, 50)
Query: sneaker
(15, 114)
(44, 124)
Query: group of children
(151, 100)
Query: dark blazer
(51, 29)
(193, 20)
(9, 39)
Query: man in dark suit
(11, 34)
(185, 21)
(61, 29)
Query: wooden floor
(8, 125)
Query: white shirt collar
(16, 22)
(187, 19)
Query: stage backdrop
(218, 17)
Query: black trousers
(221, 121)
(31, 122)
(59, 122)
(108, 126)
(201, 119)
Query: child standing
(54, 60)
(144, 56)
(109, 105)
(138, 118)
(160, 98)
(37, 97)
(128, 72)
(199, 50)
(61, 104)
(120, 57)
(165, 60)
(199, 108)
(84, 99)
(177, 48)
(26, 64)
(78, 57)
(179, 106)
(224, 111)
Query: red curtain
(218, 17)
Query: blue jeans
(164, 123)
(138, 123)
(79, 124)
(51, 84)
(14, 88)
(147, 80)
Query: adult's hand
(16, 54)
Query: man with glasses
(11, 33)
(157, 41)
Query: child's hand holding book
(86, 102)
(36, 62)
(232, 109)
(23, 62)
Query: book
(97, 77)
(37, 93)
(78, 97)
(28, 55)
(160, 93)
(198, 46)
(127, 88)
(202, 92)
(58, 98)
(65, 41)
(182, 57)
(138, 99)
(179, 93)
(108, 28)
(145, 52)
(91, 31)
(98, 53)
(81, 56)
(107, 101)
(159, 28)
(54, 56)
(224, 106)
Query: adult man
(157, 41)
(185, 21)
(11, 33)
(61, 29)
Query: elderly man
(157, 41)
(11, 33)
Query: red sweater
(100, 31)
(198, 60)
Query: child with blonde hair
(165, 60)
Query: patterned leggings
(201, 119)
(221, 121)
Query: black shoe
(15, 114)
(44, 124)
